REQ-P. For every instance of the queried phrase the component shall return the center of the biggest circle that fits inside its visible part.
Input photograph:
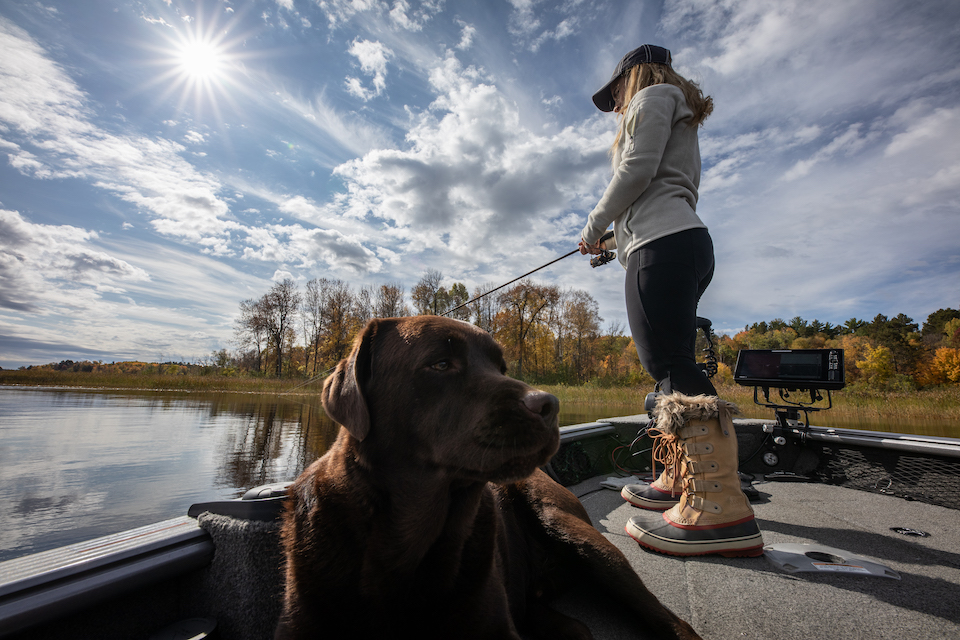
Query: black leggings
(665, 280)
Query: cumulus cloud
(294, 244)
(471, 175)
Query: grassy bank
(154, 382)
(850, 406)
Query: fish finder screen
(800, 366)
(790, 368)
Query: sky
(161, 161)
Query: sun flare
(203, 65)
(201, 60)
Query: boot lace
(666, 451)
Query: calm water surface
(77, 464)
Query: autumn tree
(583, 320)
(388, 302)
(522, 305)
(898, 334)
(427, 294)
(342, 321)
(456, 299)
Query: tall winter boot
(713, 514)
(664, 492)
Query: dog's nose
(543, 404)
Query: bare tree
(250, 330)
(427, 294)
(341, 320)
(312, 319)
(388, 302)
(484, 308)
(363, 304)
(279, 306)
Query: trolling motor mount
(794, 374)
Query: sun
(200, 60)
(201, 64)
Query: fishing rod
(601, 259)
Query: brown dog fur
(429, 517)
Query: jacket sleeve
(647, 130)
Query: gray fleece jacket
(653, 192)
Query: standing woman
(668, 255)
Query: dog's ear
(343, 392)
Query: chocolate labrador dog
(428, 517)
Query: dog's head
(433, 391)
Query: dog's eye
(443, 365)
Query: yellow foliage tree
(944, 368)
(951, 332)
(854, 349)
(877, 366)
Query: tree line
(549, 334)
(555, 336)
(895, 354)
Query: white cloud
(467, 34)
(414, 20)
(48, 264)
(847, 142)
(522, 19)
(527, 25)
(471, 175)
(340, 11)
(341, 134)
(373, 57)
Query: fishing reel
(603, 258)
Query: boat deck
(726, 598)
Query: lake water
(78, 464)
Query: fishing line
(601, 259)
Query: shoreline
(937, 409)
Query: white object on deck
(796, 558)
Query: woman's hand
(593, 249)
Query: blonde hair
(647, 74)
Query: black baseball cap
(645, 53)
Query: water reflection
(78, 464)
(274, 439)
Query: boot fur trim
(675, 409)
